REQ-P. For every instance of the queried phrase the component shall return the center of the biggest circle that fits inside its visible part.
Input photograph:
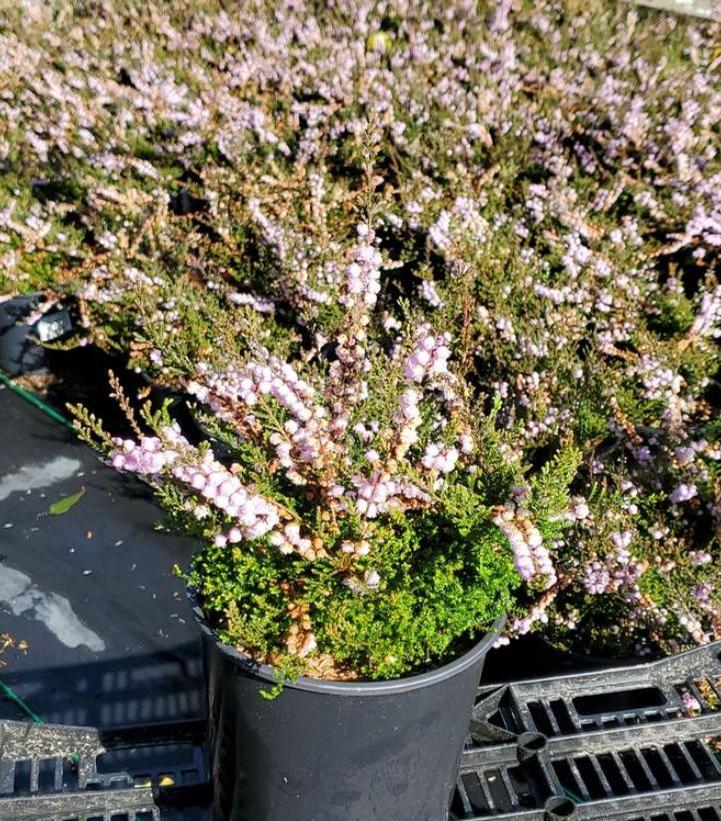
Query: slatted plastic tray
(57, 773)
(639, 743)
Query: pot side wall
(315, 755)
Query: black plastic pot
(533, 656)
(336, 751)
(19, 352)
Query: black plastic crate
(640, 743)
(58, 773)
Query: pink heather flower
(148, 456)
(373, 495)
(439, 457)
(579, 510)
(197, 390)
(694, 628)
(690, 702)
(372, 579)
(466, 444)
(621, 539)
(531, 558)
(308, 436)
(363, 273)
(379, 493)
(363, 432)
(369, 581)
(682, 493)
(262, 306)
(361, 548)
(201, 511)
(685, 455)
(289, 539)
(254, 516)
(430, 294)
(522, 626)
(702, 592)
(596, 578)
(709, 316)
(429, 357)
(407, 419)
(440, 232)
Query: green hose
(34, 400)
(8, 691)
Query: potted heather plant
(361, 545)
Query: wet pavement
(95, 625)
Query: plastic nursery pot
(581, 661)
(19, 353)
(336, 751)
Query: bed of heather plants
(443, 283)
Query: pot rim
(351, 688)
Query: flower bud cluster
(619, 571)
(304, 436)
(430, 294)
(533, 561)
(368, 581)
(682, 493)
(362, 274)
(379, 493)
(439, 457)
(708, 318)
(408, 419)
(253, 515)
(429, 357)
(289, 539)
(149, 456)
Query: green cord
(30, 397)
(576, 799)
(13, 696)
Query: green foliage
(445, 580)
(550, 485)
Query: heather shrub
(359, 524)
(541, 182)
